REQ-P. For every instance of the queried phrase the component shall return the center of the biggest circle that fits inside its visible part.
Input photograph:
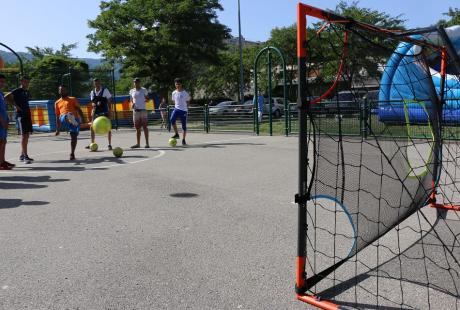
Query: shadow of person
(19, 185)
(14, 203)
(32, 179)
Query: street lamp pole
(241, 55)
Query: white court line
(15, 171)
(162, 153)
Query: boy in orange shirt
(68, 115)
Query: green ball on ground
(172, 142)
(93, 147)
(118, 152)
(102, 125)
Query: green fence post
(270, 109)
(365, 117)
(368, 120)
(256, 97)
(206, 118)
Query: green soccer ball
(172, 142)
(118, 152)
(93, 147)
(102, 125)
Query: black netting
(372, 239)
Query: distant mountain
(9, 57)
(234, 41)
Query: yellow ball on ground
(118, 152)
(93, 147)
(172, 142)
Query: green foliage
(366, 50)
(49, 72)
(454, 17)
(41, 52)
(223, 78)
(159, 39)
(369, 16)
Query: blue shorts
(3, 133)
(183, 118)
(70, 123)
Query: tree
(50, 71)
(222, 79)
(41, 52)
(285, 39)
(366, 50)
(454, 17)
(49, 68)
(159, 39)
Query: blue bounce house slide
(405, 75)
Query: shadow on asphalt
(26, 182)
(13, 185)
(183, 195)
(219, 145)
(14, 203)
(37, 179)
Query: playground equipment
(269, 50)
(403, 81)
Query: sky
(48, 23)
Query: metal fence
(362, 120)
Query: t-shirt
(138, 98)
(260, 103)
(21, 99)
(180, 99)
(67, 105)
(102, 96)
(105, 94)
(3, 112)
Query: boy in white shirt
(181, 102)
(138, 97)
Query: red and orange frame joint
(310, 299)
(433, 204)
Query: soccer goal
(379, 164)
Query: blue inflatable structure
(405, 89)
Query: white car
(222, 107)
(277, 107)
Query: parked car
(277, 107)
(345, 101)
(315, 108)
(222, 107)
(244, 109)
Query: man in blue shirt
(4, 165)
(260, 106)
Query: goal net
(378, 177)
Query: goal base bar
(445, 207)
(317, 302)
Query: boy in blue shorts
(181, 102)
(4, 165)
(68, 116)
